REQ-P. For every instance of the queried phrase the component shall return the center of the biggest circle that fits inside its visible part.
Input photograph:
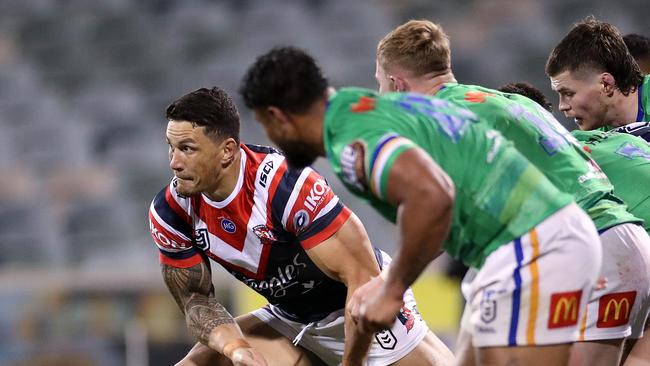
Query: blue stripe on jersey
(640, 112)
(262, 149)
(282, 194)
(379, 257)
(179, 255)
(516, 295)
(384, 140)
(322, 222)
(169, 216)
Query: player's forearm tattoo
(192, 290)
(202, 317)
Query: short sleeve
(170, 226)
(313, 212)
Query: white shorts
(326, 337)
(534, 290)
(620, 308)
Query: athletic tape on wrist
(231, 346)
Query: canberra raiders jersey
(548, 145)
(626, 161)
(259, 233)
(499, 194)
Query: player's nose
(564, 106)
(175, 162)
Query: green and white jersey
(548, 145)
(626, 161)
(499, 194)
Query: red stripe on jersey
(238, 212)
(314, 195)
(176, 207)
(181, 263)
(332, 228)
(165, 238)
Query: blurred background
(83, 89)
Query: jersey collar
(240, 183)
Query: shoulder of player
(171, 207)
(168, 196)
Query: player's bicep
(347, 256)
(187, 283)
(414, 173)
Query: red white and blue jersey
(259, 233)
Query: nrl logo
(202, 239)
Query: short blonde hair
(418, 46)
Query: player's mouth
(578, 121)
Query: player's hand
(373, 308)
(247, 357)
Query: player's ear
(608, 82)
(229, 148)
(400, 84)
(278, 114)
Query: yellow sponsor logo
(617, 306)
(570, 307)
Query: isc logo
(265, 173)
(316, 194)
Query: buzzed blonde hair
(418, 46)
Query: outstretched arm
(347, 256)
(206, 318)
(424, 195)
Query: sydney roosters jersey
(259, 233)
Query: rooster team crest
(265, 234)
(406, 317)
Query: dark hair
(638, 45)
(528, 91)
(285, 77)
(600, 46)
(209, 108)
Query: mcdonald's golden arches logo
(614, 309)
(564, 309)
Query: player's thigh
(465, 349)
(523, 356)
(533, 290)
(276, 348)
(638, 351)
(430, 351)
(620, 308)
(596, 353)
